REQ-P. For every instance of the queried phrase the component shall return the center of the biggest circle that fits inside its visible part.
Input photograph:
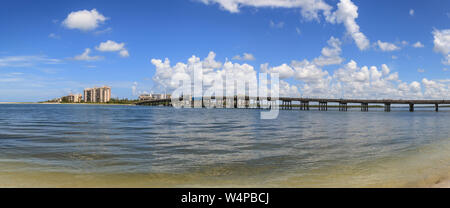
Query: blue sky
(40, 49)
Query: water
(140, 146)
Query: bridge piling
(305, 105)
(323, 106)
(286, 102)
(365, 107)
(343, 106)
(387, 107)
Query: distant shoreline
(47, 103)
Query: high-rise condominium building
(97, 94)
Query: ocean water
(144, 146)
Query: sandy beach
(442, 184)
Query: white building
(145, 97)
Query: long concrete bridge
(287, 102)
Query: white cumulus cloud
(310, 9)
(284, 70)
(112, 46)
(244, 57)
(330, 55)
(124, 53)
(418, 44)
(446, 60)
(442, 44)
(442, 41)
(86, 57)
(386, 46)
(347, 13)
(310, 80)
(84, 20)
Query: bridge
(287, 102)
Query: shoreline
(37, 103)
(38, 179)
(131, 104)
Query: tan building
(71, 98)
(74, 98)
(97, 94)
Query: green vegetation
(113, 101)
(122, 101)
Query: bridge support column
(411, 107)
(323, 106)
(304, 105)
(343, 107)
(387, 107)
(436, 106)
(289, 105)
(272, 104)
(235, 102)
(364, 107)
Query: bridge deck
(318, 100)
